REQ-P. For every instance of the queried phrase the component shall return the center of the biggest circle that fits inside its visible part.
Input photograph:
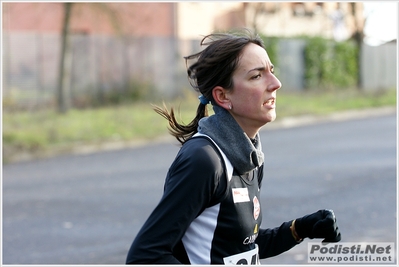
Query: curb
(288, 122)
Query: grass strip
(43, 131)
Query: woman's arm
(188, 190)
(274, 241)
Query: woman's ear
(220, 96)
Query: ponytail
(180, 131)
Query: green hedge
(271, 45)
(328, 64)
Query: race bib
(250, 257)
(240, 195)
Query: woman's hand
(321, 224)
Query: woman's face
(253, 97)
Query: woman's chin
(271, 117)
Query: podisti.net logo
(351, 252)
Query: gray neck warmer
(232, 140)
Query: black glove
(321, 224)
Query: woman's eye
(256, 77)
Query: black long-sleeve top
(208, 214)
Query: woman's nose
(274, 84)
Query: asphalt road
(86, 209)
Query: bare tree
(65, 67)
(258, 8)
(64, 78)
(358, 35)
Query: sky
(382, 22)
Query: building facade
(188, 20)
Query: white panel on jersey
(198, 238)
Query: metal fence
(103, 64)
(99, 64)
(379, 67)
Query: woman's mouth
(270, 103)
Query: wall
(102, 64)
(379, 66)
(112, 18)
(291, 64)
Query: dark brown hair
(215, 66)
